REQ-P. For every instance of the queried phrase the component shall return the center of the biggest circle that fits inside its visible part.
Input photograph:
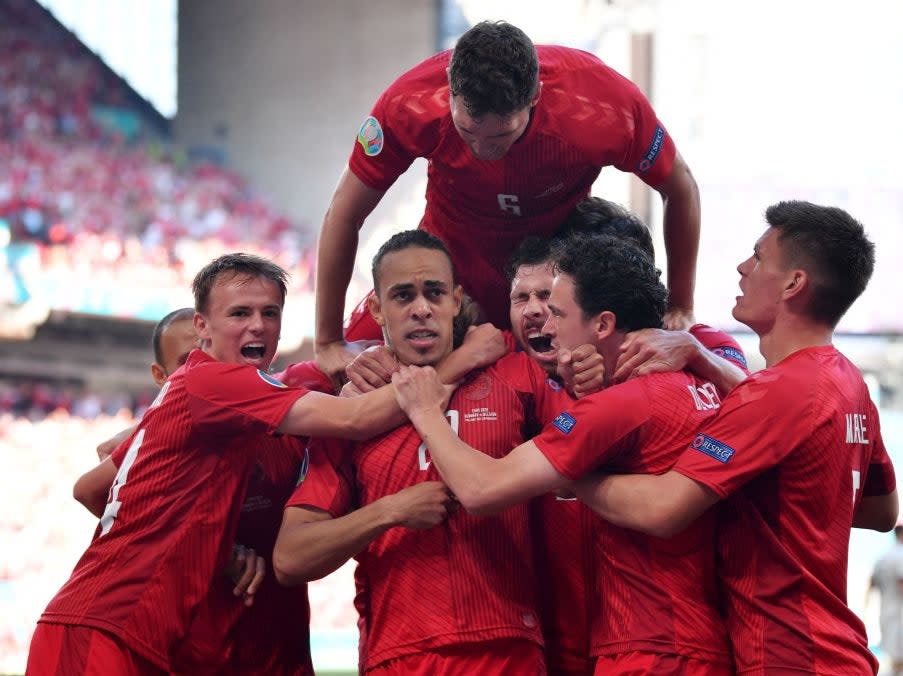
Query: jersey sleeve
(736, 447)
(326, 481)
(650, 151)
(308, 375)
(880, 478)
(595, 429)
(721, 344)
(225, 397)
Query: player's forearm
(470, 474)
(335, 262)
(313, 550)
(93, 488)
(877, 512)
(354, 418)
(723, 374)
(630, 501)
(681, 224)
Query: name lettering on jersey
(509, 203)
(565, 422)
(550, 191)
(712, 447)
(371, 137)
(270, 380)
(856, 431)
(705, 397)
(731, 353)
(654, 149)
(480, 413)
(159, 398)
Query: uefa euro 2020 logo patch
(270, 380)
(565, 422)
(371, 137)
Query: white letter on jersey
(856, 480)
(109, 514)
(856, 429)
(705, 397)
(422, 458)
(509, 203)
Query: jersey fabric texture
(794, 449)
(587, 117)
(175, 504)
(655, 595)
(452, 584)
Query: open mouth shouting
(541, 344)
(253, 352)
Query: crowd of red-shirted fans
(92, 201)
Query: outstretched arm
(311, 543)
(661, 505)
(483, 485)
(681, 223)
(351, 203)
(657, 351)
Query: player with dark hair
(655, 605)
(171, 519)
(796, 454)
(443, 597)
(515, 136)
(173, 338)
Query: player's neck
(787, 337)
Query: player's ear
(604, 324)
(797, 283)
(536, 96)
(375, 308)
(201, 328)
(458, 296)
(158, 374)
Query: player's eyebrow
(471, 131)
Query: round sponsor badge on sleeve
(371, 137)
(270, 380)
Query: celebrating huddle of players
(602, 489)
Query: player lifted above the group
(515, 136)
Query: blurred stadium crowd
(97, 215)
(87, 191)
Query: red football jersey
(653, 594)
(174, 506)
(452, 584)
(587, 117)
(566, 534)
(795, 447)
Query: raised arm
(351, 203)
(311, 543)
(681, 223)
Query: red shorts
(639, 663)
(502, 657)
(68, 650)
